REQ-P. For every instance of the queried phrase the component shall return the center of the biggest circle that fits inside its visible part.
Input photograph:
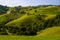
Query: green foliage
(3, 30)
(3, 9)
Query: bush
(23, 12)
(35, 10)
(3, 31)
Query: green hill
(51, 10)
(26, 24)
(28, 20)
(54, 31)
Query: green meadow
(30, 23)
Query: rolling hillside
(28, 20)
(54, 31)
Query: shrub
(23, 12)
(35, 10)
(3, 31)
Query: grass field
(28, 38)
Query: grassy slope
(54, 31)
(49, 11)
(46, 10)
(5, 18)
(48, 34)
(27, 19)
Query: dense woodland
(28, 20)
